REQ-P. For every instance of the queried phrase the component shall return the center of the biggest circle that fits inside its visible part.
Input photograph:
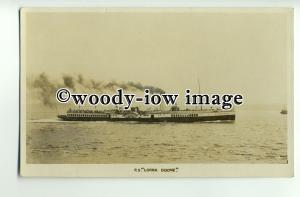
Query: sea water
(255, 136)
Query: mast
(199, 90)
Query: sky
(229, 51)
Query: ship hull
(230, 117)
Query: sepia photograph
(141, 92)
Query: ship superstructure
(172, 115)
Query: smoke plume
(47, 88)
